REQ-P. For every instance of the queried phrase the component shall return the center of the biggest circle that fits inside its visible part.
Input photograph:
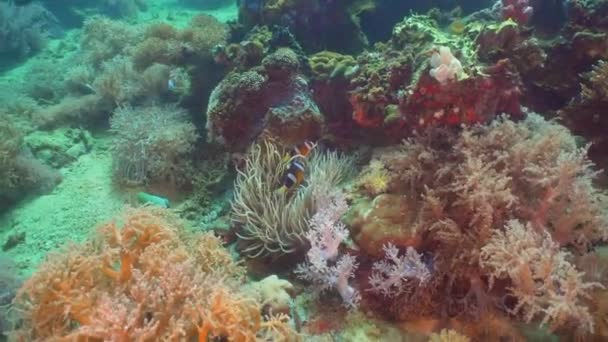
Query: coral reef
(206, 4)
(362, 173)
(337, 27)
(144, 278)
(519, 11)
(461, 193)
(72, 13)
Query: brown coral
(464, 187)
(544, 282)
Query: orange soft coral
(143, 279)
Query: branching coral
(325, 236)
(464, 187)
(273, 222)
(141, 280)
(150, 144)
(544, 282)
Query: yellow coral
(327, 65)
(448, 335)
(376, 179)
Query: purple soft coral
(325, 235)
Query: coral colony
(303, 170)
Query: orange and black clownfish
(302, 150)
(294, 174)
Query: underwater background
(303, 170)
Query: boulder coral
(273, 98)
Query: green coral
(327, 65)
(418, 33)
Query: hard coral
(20, 173)
(477, 99)
(337, 25)
(276, 99)
(583, 113)
(139, 280)
(327, 65)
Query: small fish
(294, 174)
(171, 84)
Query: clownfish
(302, 150)
(294, 171)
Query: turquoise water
(296, 170)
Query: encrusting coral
(143, 278)
(21, 173)
(276, 98)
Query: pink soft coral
(397, 274)
(325, 235)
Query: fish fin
(281, 190)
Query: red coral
(477, 99)
(519, 11)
